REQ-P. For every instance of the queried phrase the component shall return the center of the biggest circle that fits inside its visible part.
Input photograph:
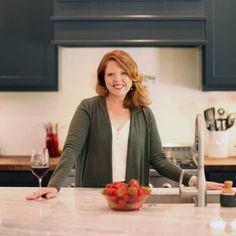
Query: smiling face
(117, 80)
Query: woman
(113, 136)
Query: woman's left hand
(214, 185)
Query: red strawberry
(146, 190)
(133, 199)
(125, 185)
(109, 191)
(109, 185)
(118, 184)
(133, 191)
(121, 202)
(141, 192)
(121, 191)
(126, 197)
(134, 183)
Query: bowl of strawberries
(126, 196)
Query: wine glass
(39, 164)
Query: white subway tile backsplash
(175, 93)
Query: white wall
(176, 97)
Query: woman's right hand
(48, 193)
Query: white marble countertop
(80, 211)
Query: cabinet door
(22, 179)
(220, 52)
(221, 176)
(27, 58)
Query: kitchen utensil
(52, 143)
(209, 115)
(221, 113)
(229, 121)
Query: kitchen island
(84, 211)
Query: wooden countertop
(220, 164)
(21, 163)
(84, 211)
(229, 161)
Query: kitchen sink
(170, 199)
(176, 199)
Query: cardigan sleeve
(76, 138)
(158, 158)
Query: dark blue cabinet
(205, 23)
(30, 32)
(21, 179)
(220, 176)
(131, 23)
(28, 61)
(220, 51)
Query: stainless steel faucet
(199, 192)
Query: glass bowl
(130, 203)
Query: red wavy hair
(138, 95)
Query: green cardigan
(88, 147)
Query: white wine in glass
(39, 164)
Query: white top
(119, 151)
